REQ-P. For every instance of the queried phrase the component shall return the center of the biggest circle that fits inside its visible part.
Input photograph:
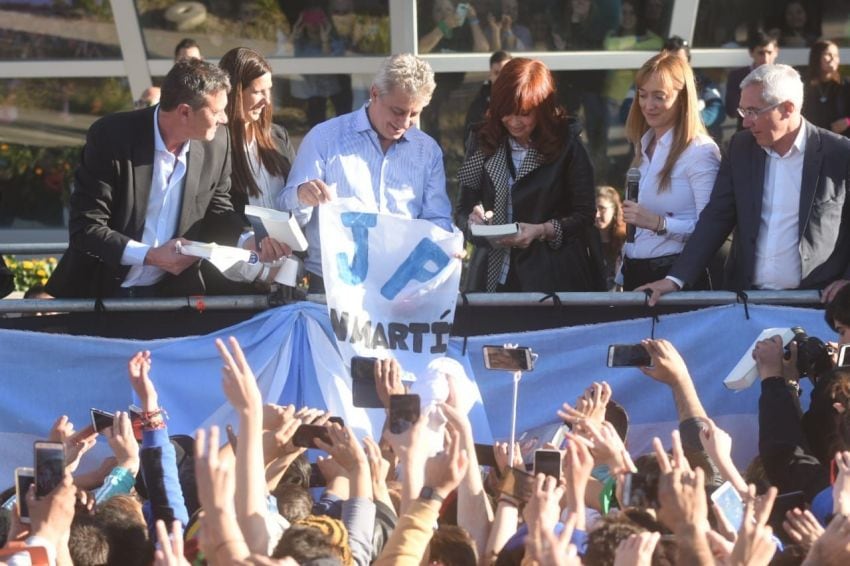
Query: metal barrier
(56, 248)
(261, 302)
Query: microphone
(632, 189)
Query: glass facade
(63, 63)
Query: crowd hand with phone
(833, 547)
(589, 405)
(755, 545)
(576, 467)
(345, 450)
(802, 527)
(51, 515)
(718, 445)
(76, 443)
(169, 550)
(543, 546)
(388, 380)
(544, 505)
(279, 426)
(123, 443)
(411, 451)
(770, 359)
(222, 541)
(240, 388)
(637, 549)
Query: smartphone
(24, 478)
(781, 505)
(548, 462)
(485, 455)
(843, 356)
(404, 411)
(508, 359)
(635, 492)
(306, 434)
(101, 420)
(136, 421)
(231, 437)
(49, 466)
(316, 477)
(729, 501)
(363, 390)
(628, 355)
(518, 484)
(462, 10)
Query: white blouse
(268, 184)
(691, 183)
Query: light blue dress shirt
(344, 152)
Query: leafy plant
(30, 272)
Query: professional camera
(814, 356)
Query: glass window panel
(43, 123)
(447, 26)
(798, 23)
(294, 28)
(57, 29)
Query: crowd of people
(427, 493)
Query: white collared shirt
(269, 185)
(691, 183)
(162, 213)
(777, 259)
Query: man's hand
(590, 405)
(388, 380)
(314, 193)
(544, 505)
(238, 381)
(658, 288)
(270, 250)
(76, 443)
(168, 259)
(51, 515)
(668, 366)
(769, 356)
(833, 288)
(123, 443)
(344, 449)
(138, 369)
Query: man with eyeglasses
(782, 188)
(376, 155)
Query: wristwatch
(663, 230)
(430, 494)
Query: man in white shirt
(146, 180)
(783, 188)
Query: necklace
(823, 93)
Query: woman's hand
(526, 234)
(479, 215)
(633, 213)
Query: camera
(814, 356)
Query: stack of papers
(494, 231)
(745, 372)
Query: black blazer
(736, 202)
(562, 190)
(109, 202)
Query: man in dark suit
(783, 188)
(147, 180)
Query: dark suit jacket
(736, 202)
(110, 199)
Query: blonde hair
(674, 73)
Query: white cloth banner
(391, 284)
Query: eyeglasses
(754, 113)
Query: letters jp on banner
(391, 284)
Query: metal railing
(261, 302)
(55, 248)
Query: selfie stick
(517, 377)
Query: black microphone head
(633, 175)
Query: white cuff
(244, 238)
(134, 253)
(677, 281)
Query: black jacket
(280, 137)
(562, 190)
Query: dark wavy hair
(815, 53)
(525, 86)
(243, 66)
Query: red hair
(525, 86)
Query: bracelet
(658, 224)
(444, 28)
(507, 499)
(154, 420)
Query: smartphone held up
(628, 355)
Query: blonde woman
(678, 163)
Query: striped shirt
(344, 152)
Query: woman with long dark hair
(612, 230)
(527, 165)
(826, 101)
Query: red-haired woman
(526, 165)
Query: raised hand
(169, 551)
(378, 469)
(501, 450)
(123, 442)
(590, 405)
(388, 380)
(841, 487)
(668, 367)
(344, 448)
(76, 443)
(606, 446)
(545, 547)
(833, 547)
(755, 546)
(238, 381)
(138, 369)
(544, 504)
(637, 549)
(802, 527)
(215, 477)
(444, 471)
